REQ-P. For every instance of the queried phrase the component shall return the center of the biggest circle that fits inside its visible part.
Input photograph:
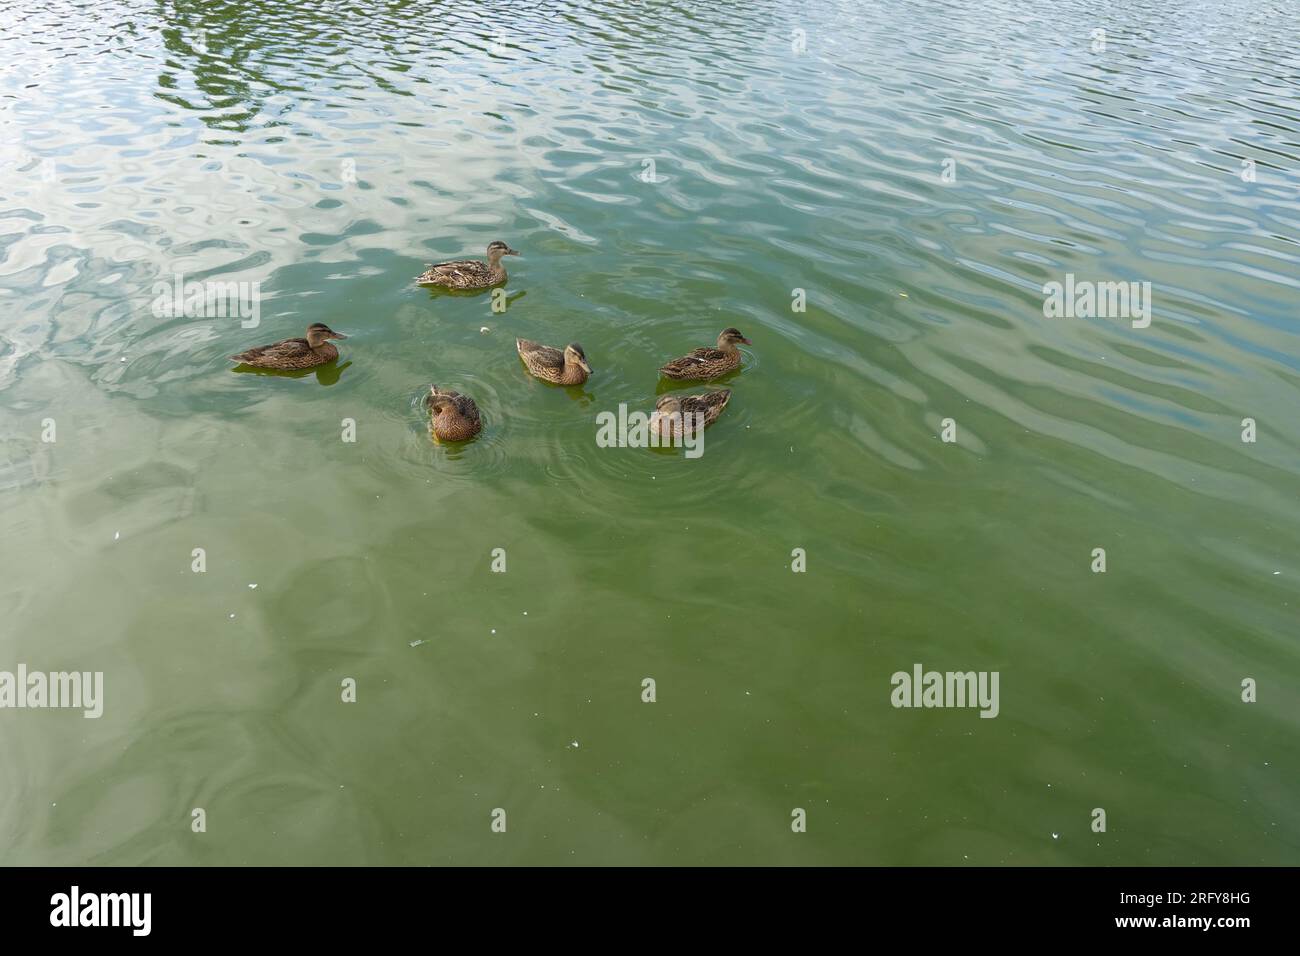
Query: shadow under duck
(706, 363)
(675, 415)
(470, 273)
(561, 367)
(294, 353)
(453, 416)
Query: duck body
(453, 416)
(678, 415)
(567, 366)
(294, 353)
(470, 273)
(706, 363)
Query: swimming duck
(454, 416)
(470, 273)
(707, 363)
(294, 353)
(567, 367)
(674, 414)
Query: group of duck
(455, 417)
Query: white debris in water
(484, 330)
(252, 587)
(116, 535)
(232, 617)
(418, 643)
(494, 630)
(574, 745)
(1056, 836)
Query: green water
(329, 151)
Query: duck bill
(511, 252)
(336, 335)
(746, 341)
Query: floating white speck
(484, 330)
(525, 613)
(1277, 572)
(494, 630)
(574, 745)
(232, 617)
(417, 643)
(116, 535)
(252, 587)
(1056, 836)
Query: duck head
(728, 338)
(574, 355)
(440, 398)
(318, 332)
(496, 249)
(668, 405)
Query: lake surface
(920, 171)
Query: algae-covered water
(876, 194)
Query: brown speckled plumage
(675, 413)
(567, 366)
(470, 273)
(702, 364)
(453, 416)
(294, 353)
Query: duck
(454, 416)
(706, 363)
(567, 366)
(678, 415)
(294, 353)
(470, 273)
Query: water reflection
(442, 292)
(327, 374)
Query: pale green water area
(329, 150)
